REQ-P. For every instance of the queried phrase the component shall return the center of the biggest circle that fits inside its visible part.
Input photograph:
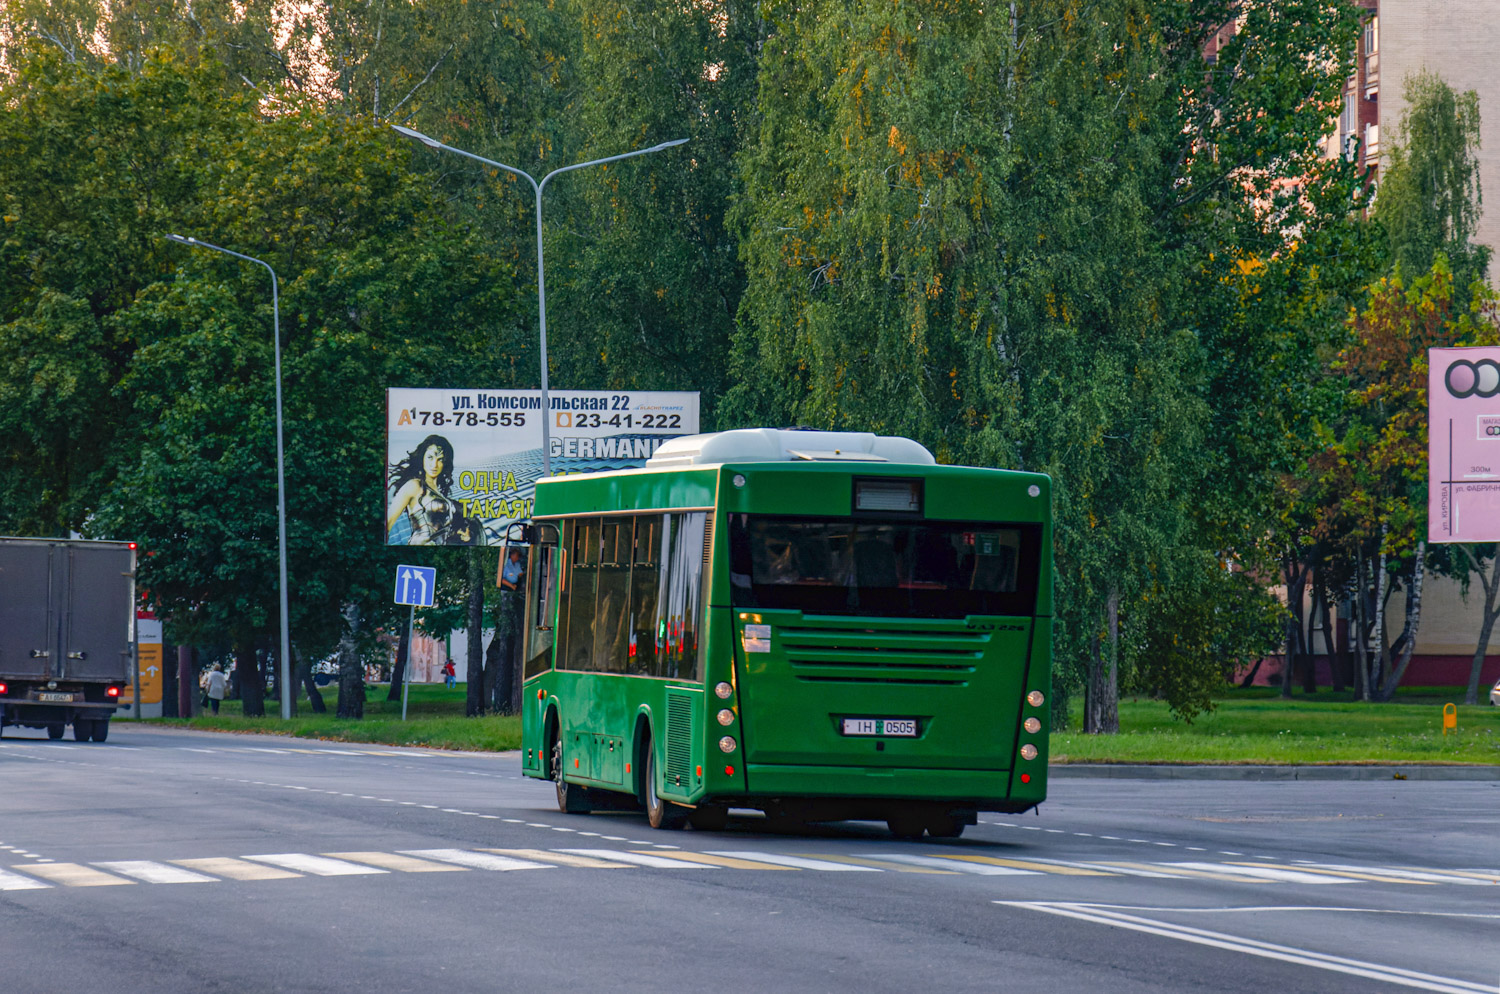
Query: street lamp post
(541, 273)
(285, 680)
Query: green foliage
(1430, 199)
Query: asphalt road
(167, 861)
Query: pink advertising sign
(1463, 445)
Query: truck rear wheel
(55, 730)
(101, 729)
(82, 729)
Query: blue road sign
(415, 585)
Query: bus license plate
(898, 727)
(57, 698)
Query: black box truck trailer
(67, 633)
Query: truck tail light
(4, 689)
(113, 692)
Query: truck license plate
(897, 727)
(54, 697)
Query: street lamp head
(184, 241)
(679, 141)
(413, 133)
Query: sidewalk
(1165, 771)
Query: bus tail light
(1028, 751)
(1026, 778)
(1035, 698)
(729, 771)
(1032, 725)
(728, 744)
(725, 716)
(723, 690)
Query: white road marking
(236, 869)
(980, 869)
(804, 863)
(640, 859)
(319, 866)
(74, 875)
(1433, 876)
(476, 860)
(1269, 873)
(1266, 950)
(155, 873)
(14, 881)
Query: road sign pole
(411, 637)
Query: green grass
(1257, 726)
(435, 718)
(1248, 726)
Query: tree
(1013, 233)
(1430, 199)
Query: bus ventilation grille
(679, 740)
(915, 658)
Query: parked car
(1495, 694)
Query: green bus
(819, 625)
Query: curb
(1141, 771)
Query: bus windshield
(887, 568)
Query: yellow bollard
(1450, 718)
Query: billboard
(1463, 445)
(462, 465)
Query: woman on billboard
(422, 483)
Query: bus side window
(645, 576)
(680, 595)
(582, 583)
(540, 605)
(614, 594)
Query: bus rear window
(896, 568)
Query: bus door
(540, 606)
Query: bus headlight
(728, 744)
(726, 717)
(1032, 725)
(723, 691)
(1028, 751)
(1035, 698)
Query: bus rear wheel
(661, 814)
(906, 825)
(944, 826)
(571, 799)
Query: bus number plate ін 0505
(898, 727)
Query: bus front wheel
(660, 813)
(571, 798)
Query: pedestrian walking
(214, 686)
(450, 674)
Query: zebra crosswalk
(284, 866)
